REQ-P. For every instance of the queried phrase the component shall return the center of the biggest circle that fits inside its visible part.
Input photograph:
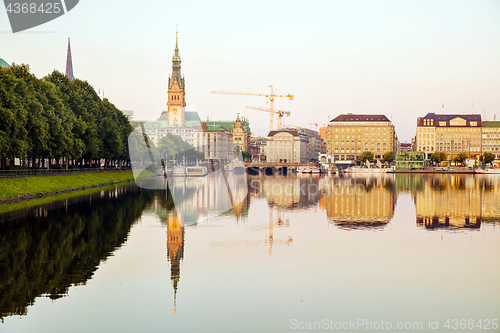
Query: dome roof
(3, 63)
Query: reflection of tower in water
(175, 248)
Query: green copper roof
(214, 128)
(229, 125)
(191, 116)
(191, 119)
(491, 123)
(3, 63)
(164, 116)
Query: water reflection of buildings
(196, 198)
(210, 196)
(175, 248)
(357, 202)
(457, 202)
(292, 192)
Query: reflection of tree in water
(412, 183)
(437, 222)
(438, 184)
(487, 182)
(46, 251)
(359, 225)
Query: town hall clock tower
(176, 93)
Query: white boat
(196, 171)
(308, 169)
(331, 169)
(179, 171)
(488, 171)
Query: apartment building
(449, 133)
(349, 135)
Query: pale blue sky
(399, 58)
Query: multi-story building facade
(215, 143)
(257, 147)
(351, 134)
(316, 145)
(491, 138)
(289, 146)
(449, 133)
(405, 147)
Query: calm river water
(298, 253)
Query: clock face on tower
(175, 111)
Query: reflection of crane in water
(280, 221)
(270, 239)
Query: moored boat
(357, 169)
(179, 171)
(488, 171)
(308, 169)
(196, 171)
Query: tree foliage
(460, 157)
(388, 157)
(438, 157)
(487, 157)
(57, 119)
(366, 156)
(247, 156)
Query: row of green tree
(436, 157)
(56, 119)
(368, 156)
(440, 156)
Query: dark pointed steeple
(69, 64)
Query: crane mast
(271, 110)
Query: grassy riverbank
(27, 186)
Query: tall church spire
(69, 64)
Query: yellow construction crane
(271, 97)
(280, 114)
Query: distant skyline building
(69, 63)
